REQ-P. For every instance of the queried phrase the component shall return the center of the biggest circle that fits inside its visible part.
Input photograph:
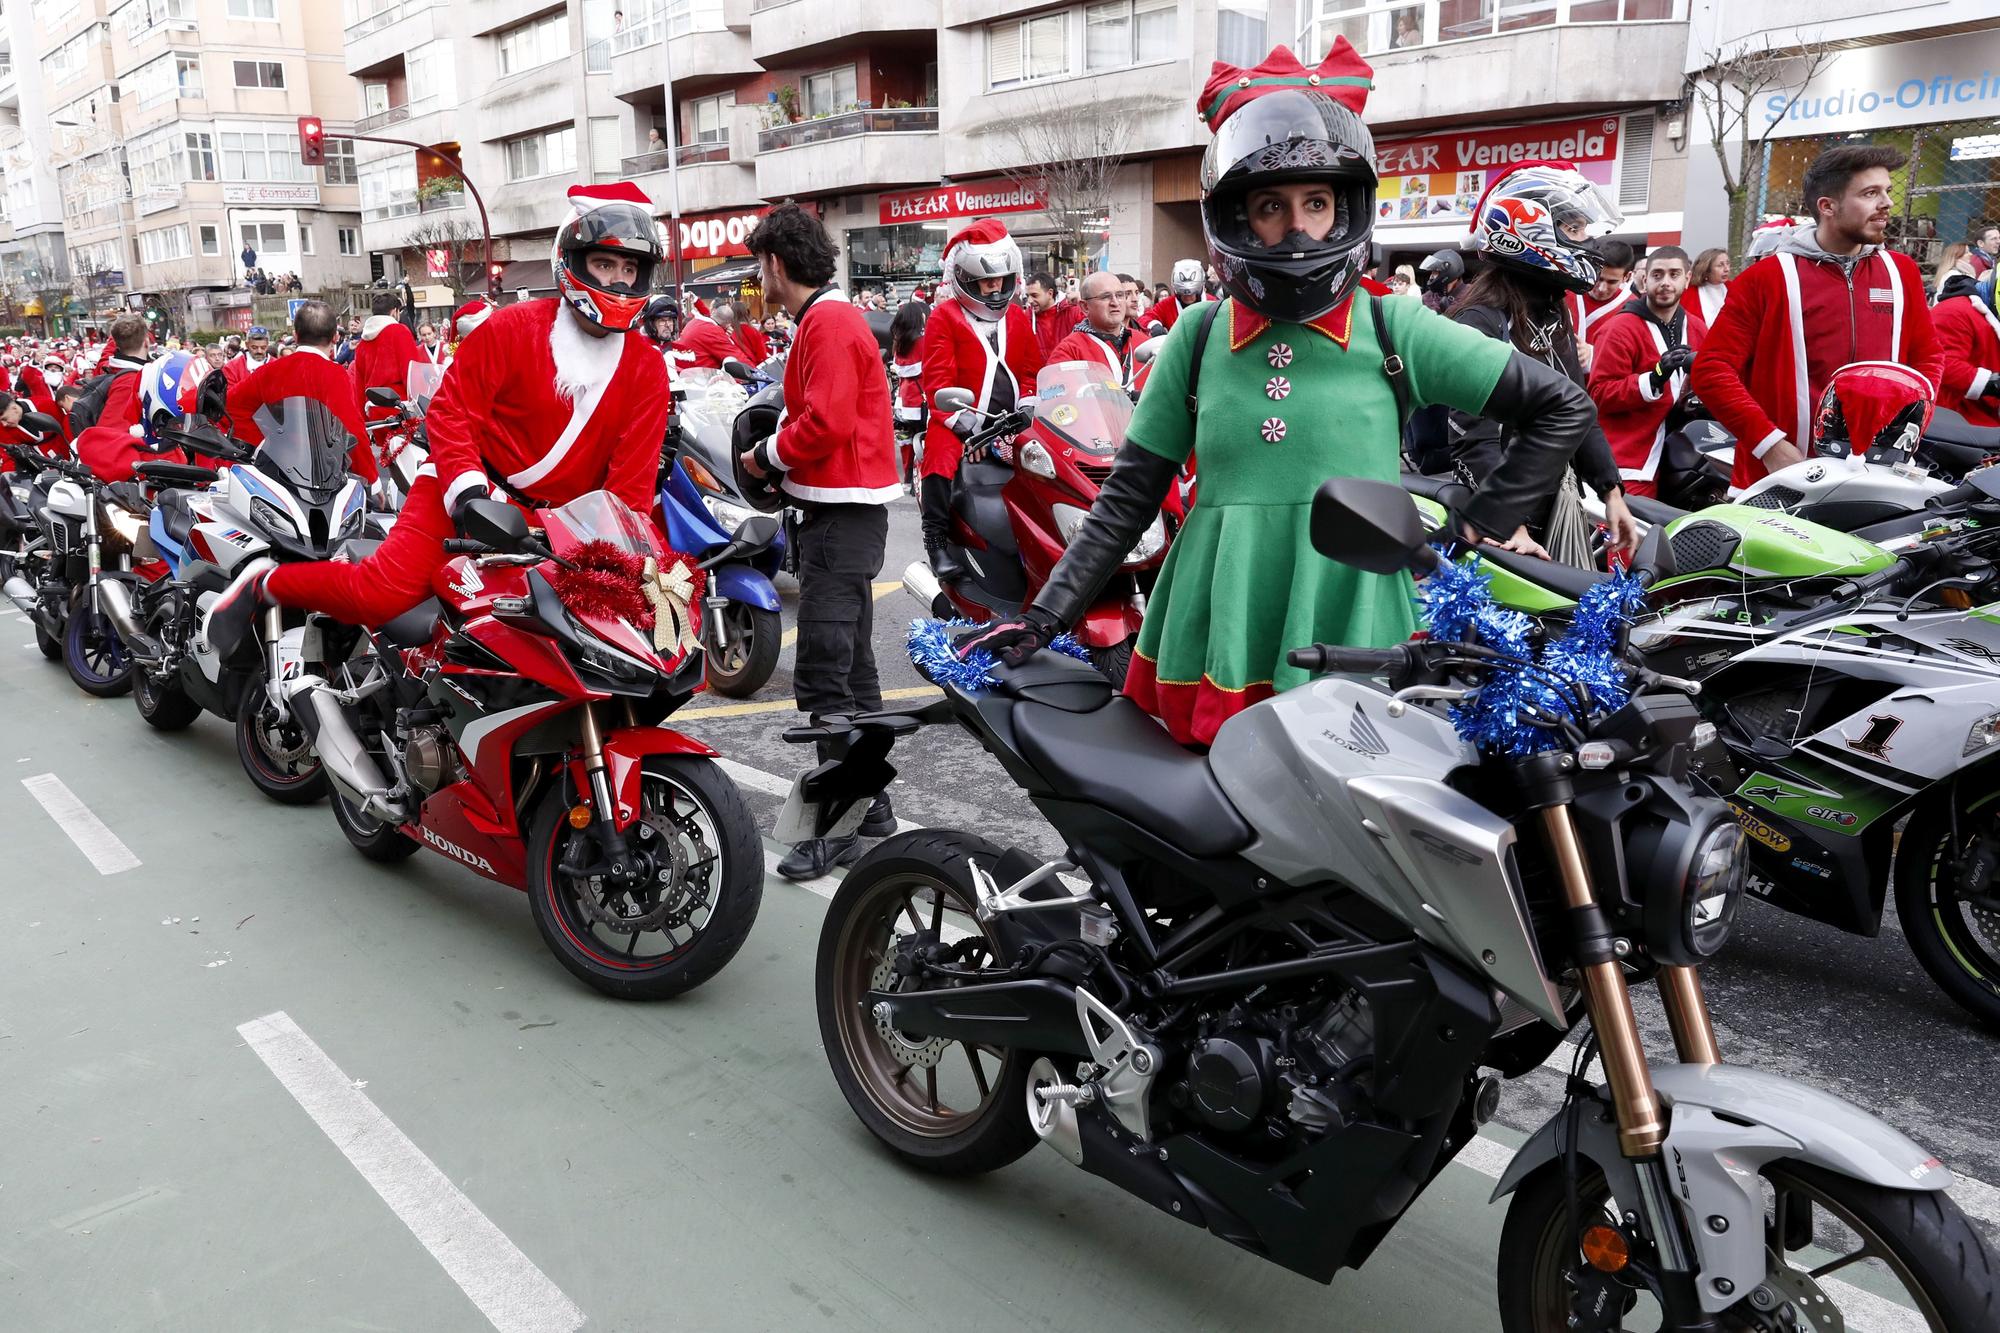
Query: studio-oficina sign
(1905, 83)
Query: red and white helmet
(616, 218)
(983, 250)
(1876, 410)
(1540, 219)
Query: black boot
(935, 498)
(816, 856)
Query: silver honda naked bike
(1273, 990)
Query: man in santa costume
(1606, 297)
(107, 448)
(385, 355)
(706, 340)
(1968, 336)
(1182, 291)
(979, 340)
(308, 373)
(255, 356)
(1830, 294)
(1638, 371)
(835, 450)
(552, 400)
(1050, 312)
(1104, 338)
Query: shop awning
(723, 275)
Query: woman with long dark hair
(1534, 226)
(906, 384)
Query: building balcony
(710, 179)
(787, 31)
(396, 28)
(699, 56)
(854, 150)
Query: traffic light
(493, 272)
(312, 141)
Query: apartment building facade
(34, 267)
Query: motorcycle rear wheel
(162, 704)
(1955, 941)
(903, 1087)
(50, 645)
(698, 820)
(93, 654)
(277, 757)
(744, 671)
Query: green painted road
(505, 1149)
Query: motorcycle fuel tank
(1337, 789)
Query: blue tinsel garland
(933, 655)
(1457, 602)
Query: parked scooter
(1027, 483)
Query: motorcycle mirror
(953, 400)
(1654, 559)
(384, 396)
(736, 370)
(755, 533)
(1146, 351)
(1369, 525)
(494, 523)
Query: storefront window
(897, 257)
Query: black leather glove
(1674, 359)
(1013, 641)
(1992, 389)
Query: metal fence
(888, 120)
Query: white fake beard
(582, 362)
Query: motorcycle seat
(1948, 427)
(1094, 745)
(413, 629)
(1648, 510)
(177, 513)
(1565, 580)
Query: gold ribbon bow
(671, 592)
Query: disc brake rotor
(911, 1052)
(1790, 1301)
(669, 899)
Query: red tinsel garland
(604, 583)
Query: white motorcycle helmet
(983, 250)
(1186, 281)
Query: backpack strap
(1194, 363)
(1392, 364)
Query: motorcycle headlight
(123, 522)
(357, 512)
(1034, 458)
(608, 661)
(1714, 889)
(1068, 519)
(1983, 733)
(1151, 542)
(273, 519)
(728, 516)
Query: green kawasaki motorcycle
(1849, 686)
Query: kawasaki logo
(456, 852)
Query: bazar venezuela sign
(961, 201)
(1442, 175)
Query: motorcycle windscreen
(306, 445)
(1081, 402)
(420, 383)
(613, 611)
(599, 516)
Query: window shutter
(1003, 53)
(1635, 164)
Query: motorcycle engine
(430, 758)
(1279, 1072)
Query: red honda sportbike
(1028, 480)
(516, 729)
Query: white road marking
(513, 1294)
(84, 829)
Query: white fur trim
(1979, 379)
(584, 370)
(1764, 445)
(1788, 264)
(1895, 307)
(843, 495)
(1646, 389)
(463, 484)
(426, 469)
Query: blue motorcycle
(742, 629)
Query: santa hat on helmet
(470, 316)
(983, 249)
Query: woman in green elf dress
(1292, 391)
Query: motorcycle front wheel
(678, 929)
(1954, 932)
(92, 652)
(948, 1106)
(751, 636)
(1115, 661)
(276, 753)
(1832, 1241)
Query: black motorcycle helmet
(659, 308)
(1286, 138)
(1442, 269)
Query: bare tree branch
(1074, 148)
(1730, 87)
(447, 229)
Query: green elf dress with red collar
(1282, 408)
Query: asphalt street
(251, 1081)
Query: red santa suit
(108, 449)
(1968, 338)
(1631, 407)
(383, 360)
(1792, 319)
(1587, 313)
(704, 345)
(996, 359)
(1054, 324)
(1165, 311)
(35, 384)
(756, 347)
(533, 401)
(1085, 343)
(241, 366)
(836, 444)
(55, 444)
(307, 373)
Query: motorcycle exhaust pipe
(114, 598)
(21, 593)
(347, 760)
(919, 582)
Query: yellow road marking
(775, 705)
(791, 636)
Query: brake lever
(1400, 701)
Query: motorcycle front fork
(1642, 1121)
(605, 826)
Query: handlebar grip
(1350, 661)
(465, 546)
